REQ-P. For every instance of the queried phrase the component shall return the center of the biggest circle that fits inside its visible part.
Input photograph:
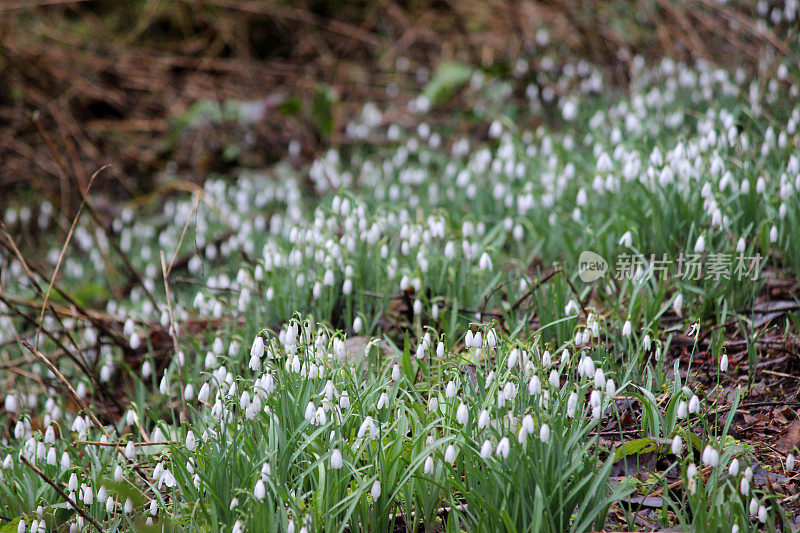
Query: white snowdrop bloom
(396, 373)
(110, 505)
(383, 401)
(358, 325)
(72, 484)
(741, 245)
(723, 363)
(433, 404)
(733, 468)
(503, 448)
(694, 405)
(130, 450)
(153, 508)
(682, 410)
(336, 459)
(485, 262)
(428, 467)
(344, 400)
(762, 514)
(135, 341)
(440, 350)
(51, 456)
(626, 240)
(773, 234)
(191, 441)
(483, 419)
(753, 507)
(88, 495)
(700, 245)
(450, 454)
(611, 388)
(128, 507)
(260, 490)
(118, 474)
(310, 410)
(748, 473)
(572, 404)
(375, 491)
(450, 390)
(188, 392)
(647, 343)
(710, 456)
(462, 414)
(789, 462)
(66, 462)
(534, 385)
(205, 392)
(744, 486)
(491, 338)
(554, 379)
(257, 349)
(147, 369)
(486, 449)
(677, 304)
(544, 433)
(468, 338)
(627, 329)
(527, 424)
(546, 358)
(677, 445)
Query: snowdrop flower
(762, 514)
(554, 379)
(257, 349)
(744, 486)
(383, 401)
(626, 329)
(733, 469)
(677, 445)
(450, 454)
(450, 390)
(336, 459)
(486, 449)
(572, 404)
(462, 414)
(789, 462)
(260, 491)
(375, 492)
(544, 433)
(191, 441)
(691, 473)
(483, 419)
(626, 240)
(700, 245)
(677, 304)
(534, 385)
(611, 388)
(773, 236)
(344, 400)
(358, 324)
(723, 363)
(428, 467)
(485, 262)
(682, 410)
(396, 373)
(503, 448)
(128, 507)
(433, 404)
(710, 456)
(694, 405)
(440, 350)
